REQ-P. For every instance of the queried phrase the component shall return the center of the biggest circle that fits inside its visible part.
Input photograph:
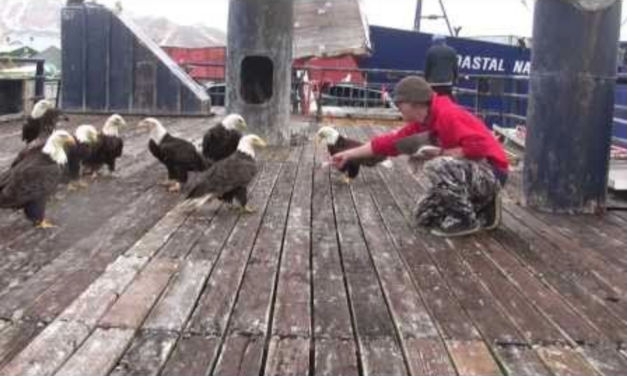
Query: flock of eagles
(52, 157)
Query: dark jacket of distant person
(441, 64)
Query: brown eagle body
(33, 177)
(42, 127)
(227, 179)
(351, 169)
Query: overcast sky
(476, 17)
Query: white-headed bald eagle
(86, 137)
(222, 139)
(34, 177)
(336, 143)
(108, 147)
(179, 156)
(229, 178)
(42, 121)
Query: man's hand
(427, 153)
(339, 160)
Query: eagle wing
(30, 181)
(181, 153)
(343, 144)
(30, 129)
(219, 143)
(234, 172)
(155, 151)
(112, 147)
(31, 149)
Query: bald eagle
(179, 156)
(107, 148)
(336, 143)
(221, 140)
(41, 122)
(33, 178)
(86, 140)
(228, 179)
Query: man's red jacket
(451, 127)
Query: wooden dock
(325, 279)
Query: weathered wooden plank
(593, 310)
(606, 281)
(529, 321)
(428, 357)
(151, 243)
(382, 356)
(174, 308)
(15, 338)
(192, 356)
(446, 310)
(288, 357)
(212, 240)
(542, 296)
(147, 354)
(99, 354)
(241, 356)
(376, 334)
(48, 351)
(335, 357)
(292, 316)
(181, 243)
(594, 233)
(330, 302)
(34, 249)
(608, 361)
(410, 315)
(252, 310)
(472, 358)
(216, 303)
(107, 243)
(520, 360)
(564, 361)
(89, 308)
(132, 308)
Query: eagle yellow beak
(317, 140)
(143, 125)
(243, 125)
(69, 140)
(261, 143)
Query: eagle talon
(167, 183)
(347, 180)
(45, 225)
(175, 188)
(77, 185)
(247, 209)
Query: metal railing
(497, 99)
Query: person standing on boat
(465, 165)
(441, 66)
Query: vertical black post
(418, 17)
(40, 80)
(571, 105)
(259, 65)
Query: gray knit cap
(413, 89)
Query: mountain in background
(37, 24)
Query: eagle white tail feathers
(387, 164)
(195, 204)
